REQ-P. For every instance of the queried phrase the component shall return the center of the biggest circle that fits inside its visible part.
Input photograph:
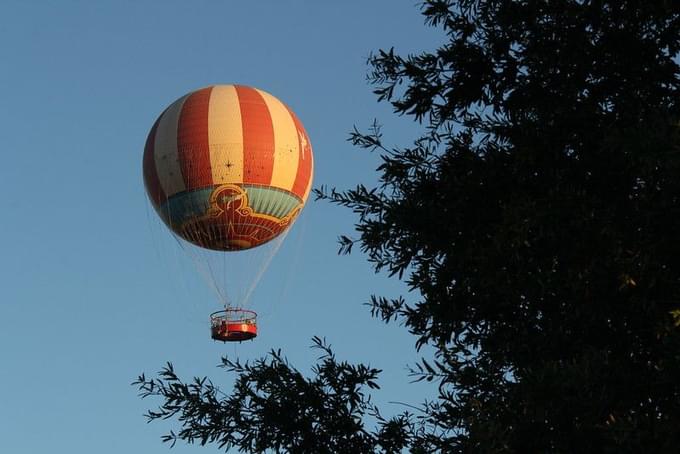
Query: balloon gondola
(233, 324)
(228, 168)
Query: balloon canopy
(228, 167)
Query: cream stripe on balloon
(286, 146)
(166, 156)
(225, 135)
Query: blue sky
(94, 291)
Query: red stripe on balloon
(258, 137)
(304, 170)
(193, 146)
(151, 180)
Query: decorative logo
(231, 224)
(229, 197)
(303, 142)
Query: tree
(538, 218)
(274, 407)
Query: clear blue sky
(93, 291)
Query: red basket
(233, 324)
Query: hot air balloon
(228, 168)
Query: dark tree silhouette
(537, 220)
(273, 406)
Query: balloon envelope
(228, 167)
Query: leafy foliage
(538, 219)
(538, 223)
(273, 407)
